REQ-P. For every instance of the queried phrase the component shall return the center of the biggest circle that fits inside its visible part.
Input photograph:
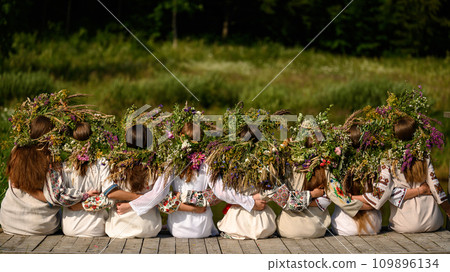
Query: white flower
(266, 152)
(185, 144)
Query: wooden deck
(386, 242)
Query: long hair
(318, 179)
(362, 218)
(135, 177)
(404, 129)
(82, 132)
(28, 166)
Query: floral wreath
(248, 166)
(414, 104)
(183, 156)
(329, 151)
(56, 107)
(121, 157)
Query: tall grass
(118, 72)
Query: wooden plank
(197, 246)
(424, 242)
(405, 242)
(167, 245)
(12, 243)
(443, 233)
(272, 246)
(30, 243)
(212, 245)
(230, 246)
(360, 244)
(4, 238)
(98, 244)
(292, 246)
(323, 246)
(341, 245)
(444, 243)
(48, 244)
(132, 246)
(81, 245)
(384, 245)
(181, 246)
(115, 246)
(249, 247)
(64, 245)
(150, 246)
(447, 114)
(307, 246)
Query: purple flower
(9, 119)
(170, 135)
(73, 117)
(161, 105)
(420, 86)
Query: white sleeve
(398, 196)
(435, 187)
(230, 196)
(146, 202)
(383, 189)
(323, 202)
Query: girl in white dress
(367, 221)
(134, 181)
(85, 176)
(413, 209)
(417, 214)
(31, 204)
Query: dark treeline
(372, 28)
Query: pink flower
(338, 151)
(170, 135)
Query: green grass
(118, 72)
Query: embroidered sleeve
(290, 200)
(338, 197)
(147, 201)
(322, 202)
(200, 199)
(97, 203)
(435, 187)
(57, 194)
(169, 204)
(398, 196)
(298, 201)
(382, 189)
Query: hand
(123, 207)
(259, 205)
(76, 207)
(93, 193)
(318, 192)
(424, 189)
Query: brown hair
(135, 177)
(28, 166)
(82, 132)
(137, 137)
(404, 128)
(188, 130)
(417, 173)
(355, 135)
(362, 218)
(309, 142)
(318, 179)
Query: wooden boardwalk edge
(385, 243)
